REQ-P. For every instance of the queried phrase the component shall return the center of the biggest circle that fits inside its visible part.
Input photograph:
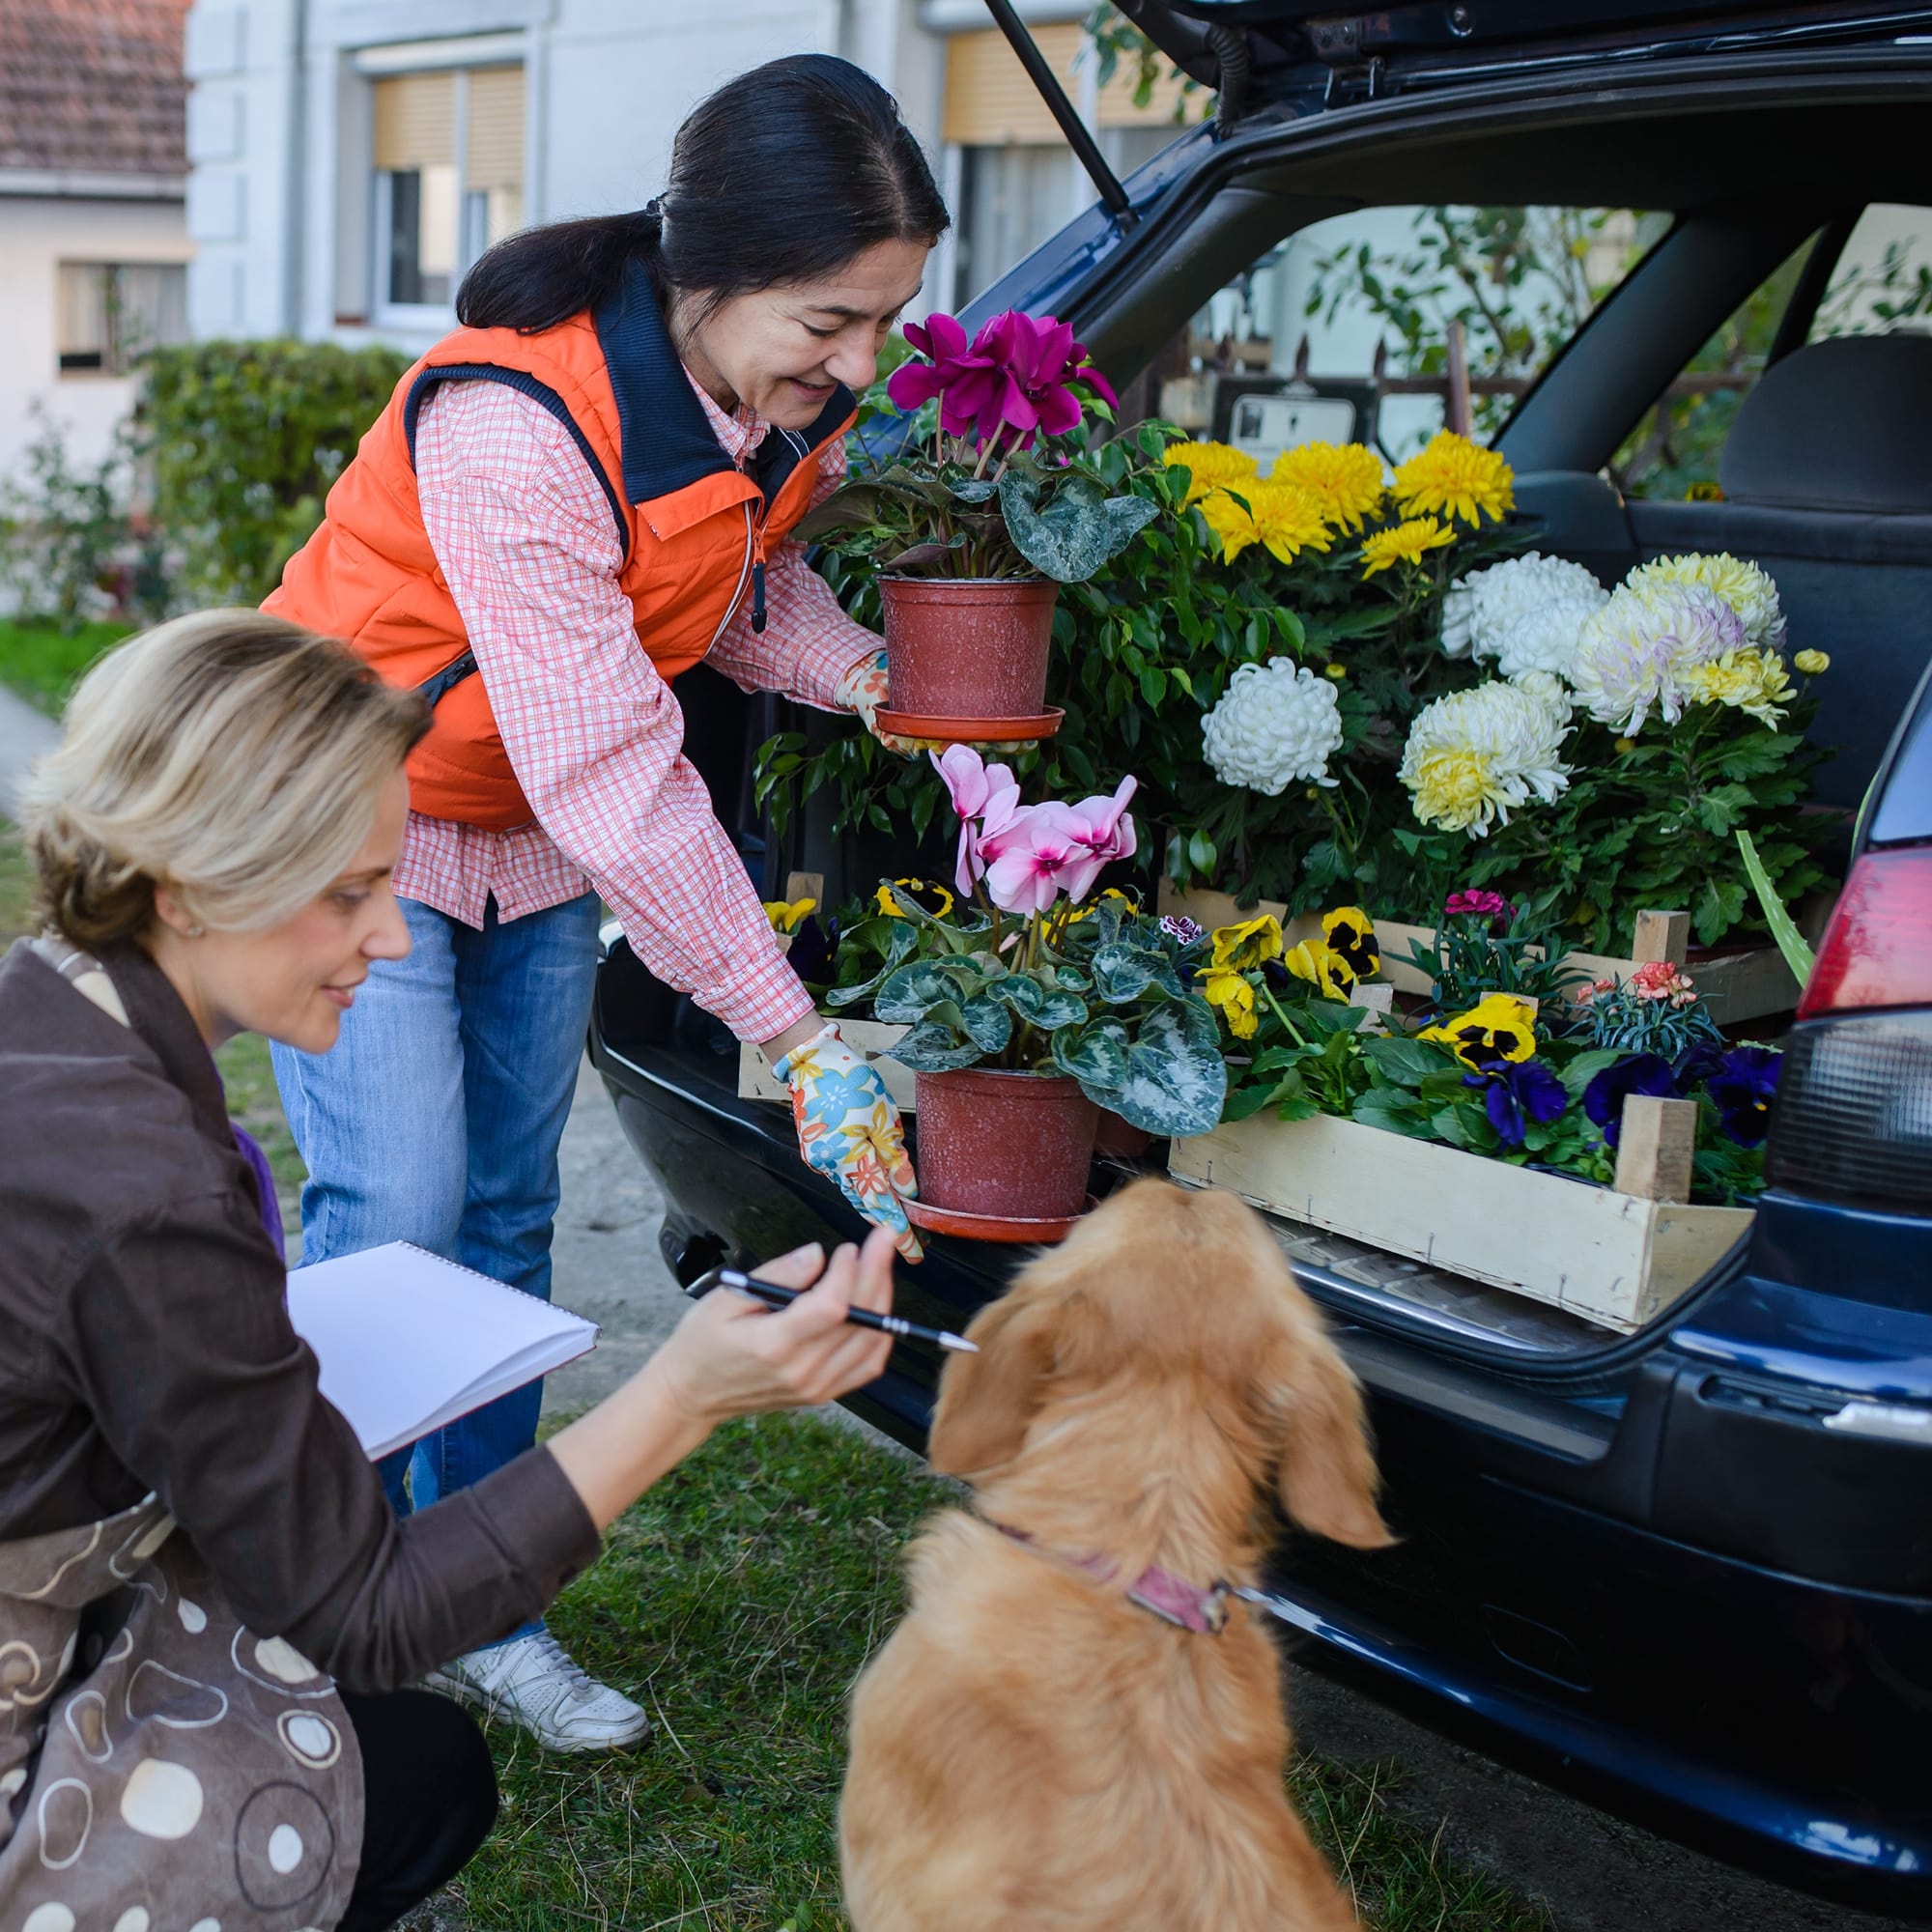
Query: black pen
(862, 1318)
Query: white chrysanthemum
(1749, 590)
(1549, 689)
(1275, 726)
(1634, 654)
(1525, 613)
(1476, 756)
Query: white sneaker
(532, 1683)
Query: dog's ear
(1326, 1475)
(986, 1401)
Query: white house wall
(37, 233)
(280, 194)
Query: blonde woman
(207, 1607)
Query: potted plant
(974, 530)
(1032, 1006)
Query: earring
(194, 931)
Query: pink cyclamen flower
(1103, 830)
(985, 798)
(1027, 860)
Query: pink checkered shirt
(526, 541)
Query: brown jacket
(144, 1347)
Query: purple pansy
(1517, 1094)
(1742, 1089)
(1636, 1073)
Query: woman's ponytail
(785, 175)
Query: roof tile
(93, 86)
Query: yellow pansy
(931, 897)
(1351, 934)
(1499, 1027)
(788, 917)
(1231, 993)
(1456, 478)
(1406, 543)
(1321, 966)
(1210, 466)
(1238, 949)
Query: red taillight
(1877, 951)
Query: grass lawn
(42, 664)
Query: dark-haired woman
(581, 492)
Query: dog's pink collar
(1172, 1598)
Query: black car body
(1688, 1572)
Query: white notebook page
(407, 1341)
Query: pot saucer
(970, 731)
(1008, 1228)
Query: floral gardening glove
(862, 691)
(849, 1131)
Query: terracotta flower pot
(968, 646)
(1120, 1137)
(994, 1143)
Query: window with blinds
(449, 175)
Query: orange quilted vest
(693, 528)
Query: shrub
(245, 439)
(63, 527)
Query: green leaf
(1791, 943)
(1406, 1062)
(911, 992)
(1584, 1069)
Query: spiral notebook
(407, 1341)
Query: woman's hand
(850, 1131)
(731, 1356)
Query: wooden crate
(1613, 1258)
(1742, 984)
(868, 1038)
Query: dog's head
(1168, 1317)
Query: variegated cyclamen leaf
(1073, 532)
(1060, 1009)
(934, 1048)
(1123, 973)
(987, 1022)
(911, 992)
(1097, 1057)
(1175, 1081)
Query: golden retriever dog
(1035, 1749)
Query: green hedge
(243, 440)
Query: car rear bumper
(1771, 1719)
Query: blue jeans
(435, 1119)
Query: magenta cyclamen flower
(1015, 375)
(1028, 862)
(1103, 830)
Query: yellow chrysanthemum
(1283, 518)
(1210, 466)
(1345, 478)
(788, 917)
(1811, 663)
(1321, 966)
(1239, 949)
(1405, 543)
(1351, 932)
(1236, 998)
(1455, 478)
(1500, 1027)
(1747, 680)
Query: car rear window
(1344, 330)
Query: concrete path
(24, 734)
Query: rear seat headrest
(1841, 426)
